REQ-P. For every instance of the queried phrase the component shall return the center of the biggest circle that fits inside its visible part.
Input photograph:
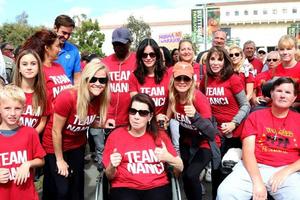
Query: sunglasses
(262, 52)
(142, 113)
(234, 54)
(101, 80)
(182, 78)
(145, 55)
(274, 60)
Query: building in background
(262, 22)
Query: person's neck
(47, 62)
(27, 85)
(137, 132)
(289, 64)
(8, 127)
(279, 112)
(125, 58)
(182, 97)
(150, 71)
(250, 58)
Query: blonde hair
(13, 93)
(237, 67)
(174, 95)
(287, 41)
(84, 98)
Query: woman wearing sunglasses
(151, 76)
(135, 156)
(273, 60)
(225, 92)
(64, 138)
(188, 107)
(243, 68)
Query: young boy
(20, 149)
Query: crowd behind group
(233, 110)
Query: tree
(139, 29)
(87, 36)
(16, 33)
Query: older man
(249, 51)
(271, 146)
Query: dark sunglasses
(101, 80)
(145, 55)
(182, 78)
(142, 113)
(234, 54)
(274, 60)
(262, 52)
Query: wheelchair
(102, 186)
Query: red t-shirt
(220, 95)
(74, 130)
(56, 80)
(248, 79)
(257, 64)
(277, 140)
(139, 168)
(16, 149)
(203, 108)
(119, 73)
(260, 79)
(158, 92)
(29, 117)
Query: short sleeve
(77, 67)
(202, 105)
(108, 149)
(64, 103)
(133, 83)
(236, 84)
(37, 149)
(250, 126)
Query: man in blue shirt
(69, 56)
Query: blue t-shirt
(69, 58)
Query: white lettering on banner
(144, 162)
(29, 111)
(27, 121)
(218, 101)
(9, 158)
(58, 89)
(153, 91)
(119, 87)
(218, 91)
(61, 79)
(119, 75)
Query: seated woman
(135, 156)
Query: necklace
(281, 127)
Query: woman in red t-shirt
(74, 110)
(135, 156)
(226, 95)
(29, 76)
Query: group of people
(180, 118)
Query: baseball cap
(262, 49)
(183, 68)
(122, 35)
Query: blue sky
(43, 12)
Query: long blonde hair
(238, 66)
(174, 95)
(84, 98)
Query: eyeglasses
(274, 60)
(234, 54)
(262, 52)
(182, 78)
(102, 80)
(142, 113)
(145, 55)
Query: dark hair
(227, 70)
(167, 55)
(39, 40)
(152, 127)
(3, 45)
(172, 54)
(283, 80)
(159, 69)
(64, 20)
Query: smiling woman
(64, 138)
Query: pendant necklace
(282, 126)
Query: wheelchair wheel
(99, 187)
(176, 194)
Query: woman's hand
(162, 154)
(162, 120)
(115, 158)
(22, 173)
(190, 110)
(4, 175)
(259, 191)
(110, 123)
(62, 168)
(228, 127)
